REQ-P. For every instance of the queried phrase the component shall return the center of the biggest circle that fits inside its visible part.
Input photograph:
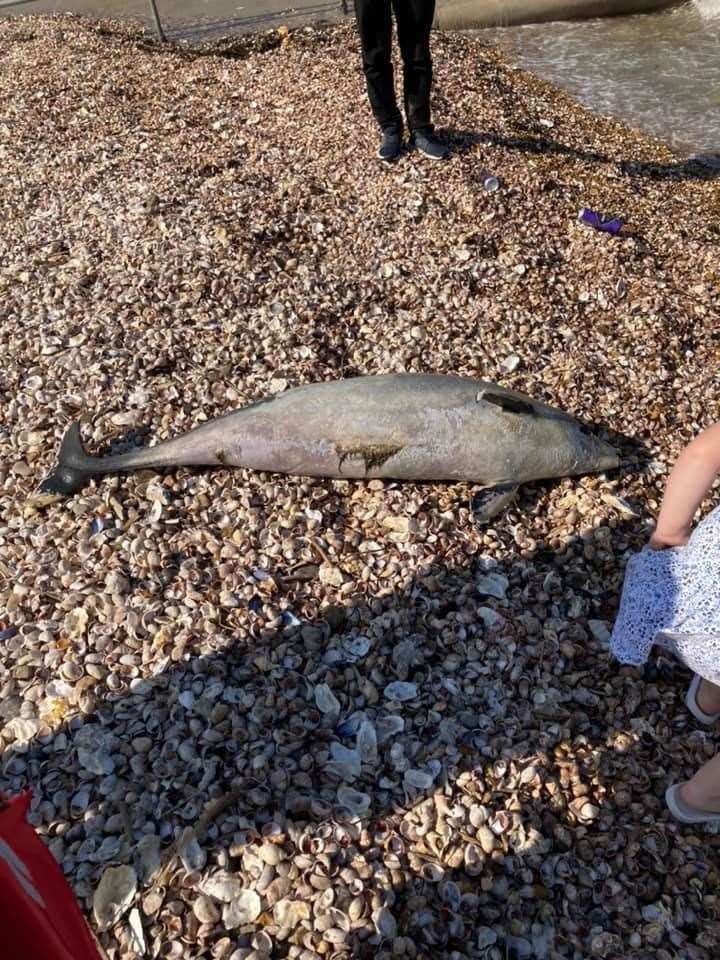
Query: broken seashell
(114, 894)
(245, 908)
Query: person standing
(413, 19)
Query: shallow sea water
(660, 72)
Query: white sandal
(684, 812)
(692, 704)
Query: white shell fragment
(345, 764)
(418, 779)
(245, 908)
(193, 856)
(137, 934)
(222, 887)
(326, 700)
(356, 647)
(356, 803)
(510, 363)
(599, 630)
(493, 585)
(388, 726)
(289, 913)
(385, 923)
(489, 617)
(147, 857)
(367, 742)
(114, 894)
(93, 752)
(399, 691)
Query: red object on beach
(39, 915)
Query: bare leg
(708, 697)
(703, 791)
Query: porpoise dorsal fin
(508, 404)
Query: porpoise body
(396, 427)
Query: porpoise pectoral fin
(489, 502)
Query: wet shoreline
(660, 72)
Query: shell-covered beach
(270, 717)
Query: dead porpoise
(396, 427)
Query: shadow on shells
(533, 139)
(424, 772)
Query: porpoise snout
(600, 454)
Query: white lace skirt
(695, 650)
(672, 598)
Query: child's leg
(703, 791)
(697, 652)
(708, 697)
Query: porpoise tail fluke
(74, 466)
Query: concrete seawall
(466, 14)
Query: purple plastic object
(598, 222)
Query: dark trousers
(414, 20)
